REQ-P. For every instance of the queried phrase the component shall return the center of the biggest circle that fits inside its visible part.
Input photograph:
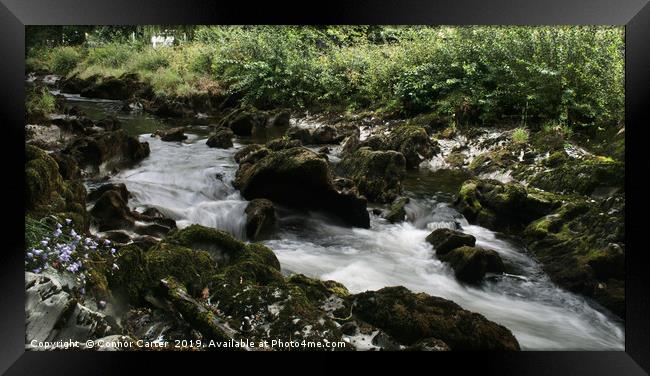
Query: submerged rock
(470, 264)
(260, 218)
(298, 178)
(377, 174)
(222, 138)
(396, 212)
(171, 134)
(444, 240)
(410, 317)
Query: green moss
(377, 174)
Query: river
(191, 183)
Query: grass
(520, 136)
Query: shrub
(64, 59)
(111, 55)
(520, 136)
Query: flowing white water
(192, 183)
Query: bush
(64, 59)
(149, 59)
(110, 55)
(520, 136)
(39, 103)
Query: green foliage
(520, 136)
(112, 55)
(477, 75)
(64, 59)
(39, 101)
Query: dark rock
(117, 236)
(171, 135)
(385, 342)
(260, 218)
(222, 138)
(110, 124)
(500, 206)
(444, 240)
(350, 328)
(396, 212)
(111, 212)
(377, 174)
(113, 87)
(470, 264)
(145, 242)
(410, 317)
(282, 143)
(280, 119)
(244, 120)
(324, 150)
(120, 188)
(299, 178)
(108, 149)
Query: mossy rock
(410, 317)
(397, 212)
(504, 206)
(260, 219)
(444, 240)
(302, 179)
(47, 193)
(221, 138)
(581, 176)
(582, 246)
(377, 174)
(470, 264)
(283, 143)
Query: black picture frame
(634, 14)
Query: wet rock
(324, 150)
(280, 119)
(171, 135)
(117, 236)
(222, 138)
(112, 87)
(444, 240)
(282, 143)
(47, 193)
(582, 248)
(396, 212)
(500, 206)
(350, 328)
(325, 134)
(260, 218)
(195, 313)
(110, 124)
(111, 212)
(243, 121)
(410, 317)
(470, 264)
(106, 151)
(385, 342)
(413, 142)
(582, 177)
(377, 174)
(120, 188)
(299, 178)
(145, 242)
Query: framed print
(416, 179)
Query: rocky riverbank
(160, 281)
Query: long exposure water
(191, 183)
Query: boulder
(47, 193)
(396, 212)
(413, 142)
(280, 119)
(222, 138)
(283, 143)
(299, 178)
(581, 246)
(120, 188)
(105, 151)
(470, 264)
(171, 134)
(111, 212)
(377, 174)
(410, 317)
(444, 240)
(243, 121)
(325, 134)
(504, 207)
(588, 176)
(260, 218)
(110, 87)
